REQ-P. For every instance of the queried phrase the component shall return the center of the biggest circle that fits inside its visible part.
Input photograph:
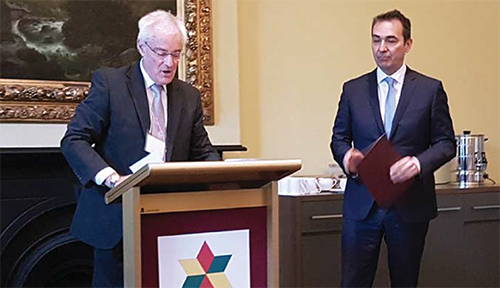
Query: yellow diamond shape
(192, 267)
(219, 280)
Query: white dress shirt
(383, 87)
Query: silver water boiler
(471, 159)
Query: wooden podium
(163, 196)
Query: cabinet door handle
(449, 209)
(323, 217)
(487, 207)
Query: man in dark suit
(131, 112)
(412, 110)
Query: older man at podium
(133, 115)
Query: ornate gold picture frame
(45, 101)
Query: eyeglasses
(164, 54)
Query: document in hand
(374, 172)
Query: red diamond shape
(205, 256)
(206, 283)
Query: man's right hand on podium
(114, 180)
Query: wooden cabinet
(481, 240)
(443, 255)
(462, 246)
(310, 240)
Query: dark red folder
(374, 172)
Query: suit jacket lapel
(175, 104)
(373, 97)
(404, 99)
(137, 91)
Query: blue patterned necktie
(158, 122)
(390, 106)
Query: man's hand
(404, 169)
(114, 180)
(352, 159)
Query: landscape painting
(68, 39)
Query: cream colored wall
(295, 55)
(226, 82)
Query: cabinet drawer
(449, 204)
(321, 216)
(482, 206)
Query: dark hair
(395, 14)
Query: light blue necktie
(158, 122)
(390, 106)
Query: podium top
(207, 175)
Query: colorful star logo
(206, 270)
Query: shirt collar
(147, 80)
(399, 75)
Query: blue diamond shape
(219, 264)
(193, 281)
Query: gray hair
(160, 21)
